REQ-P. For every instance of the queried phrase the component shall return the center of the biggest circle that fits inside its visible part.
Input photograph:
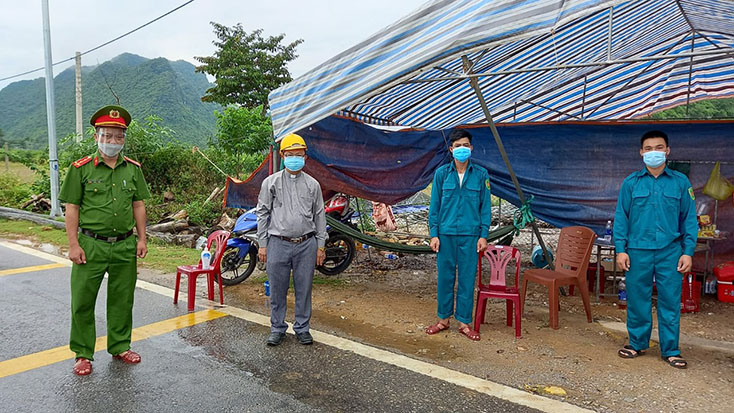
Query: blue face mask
(462, 153)
(294, 163)
(653, 159)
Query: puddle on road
(47, 248)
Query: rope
(196, 149)
(523, 216)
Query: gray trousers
(284, 256)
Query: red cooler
(724, 273)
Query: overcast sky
(326, 26)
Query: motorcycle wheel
(340, 251)
(236, 269)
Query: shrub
(204, 214)
(13, 192)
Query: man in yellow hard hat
(291, 231)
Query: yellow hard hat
(292, 141)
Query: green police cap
(114, 116)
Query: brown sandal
(129, 357)
(676, 361)
(627, 352)
(437, 328)
(82, 367)
(473, 335)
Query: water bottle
(608, 232)
(206, 258)
(391, 256)
(622, 296)
(267, 288)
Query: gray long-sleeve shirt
(290, 206)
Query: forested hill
(170, 90)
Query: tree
(243, 135)
(246, 66)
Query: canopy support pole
(583, 100)
(475, 85)
(609, 34)
(690, 71)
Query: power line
(103, 44)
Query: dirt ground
(389, 303)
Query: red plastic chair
(499, 257)
(192, 271)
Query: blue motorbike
(240, 257)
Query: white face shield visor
(110, 141)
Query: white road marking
(40, 254)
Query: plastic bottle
(608, 232)
(622, 295)
(267, 288)
(391, 256)
(206, 258)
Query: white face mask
(109, 149)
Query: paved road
(213, 359)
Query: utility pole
(50, 114)
(79, 127)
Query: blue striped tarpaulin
(536, 60)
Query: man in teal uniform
(655, 231)
(458, 220)
(104, 195)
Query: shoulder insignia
(132, 161)
(690, 192)
(83, 161)
(486, 183)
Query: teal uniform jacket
(652, 213)
(460, 209)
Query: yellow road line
(31, 269)
(55, 355)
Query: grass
(166, 257)
(34, 232)
(25, 174)
(162, 257)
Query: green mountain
(169, 90)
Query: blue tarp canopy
(540, 65)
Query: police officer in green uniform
(458, 220)
(104, 195)
(655, 232)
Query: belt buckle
(111, 239)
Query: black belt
(296, 240)
(106, 239)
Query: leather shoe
(304, 338)
(275, 338)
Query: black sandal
(676, 361)
(627, 352)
